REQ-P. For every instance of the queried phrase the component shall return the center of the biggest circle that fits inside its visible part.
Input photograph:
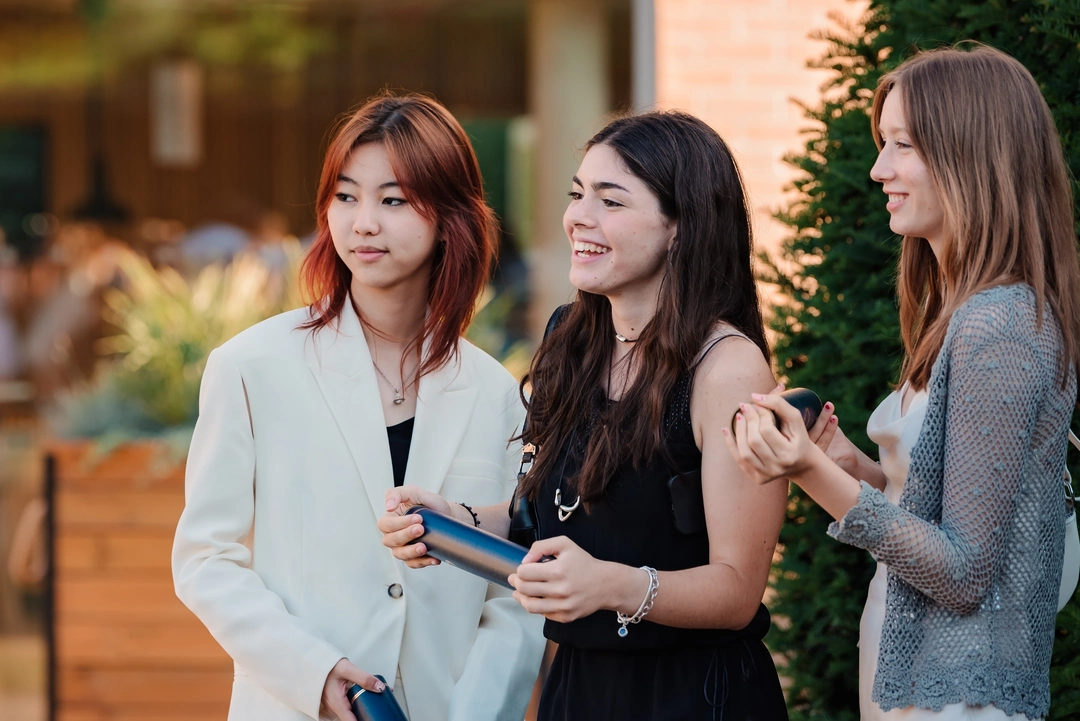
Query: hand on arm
(827, 435)
(766, 453)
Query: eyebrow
(346, 179)
(602, 185)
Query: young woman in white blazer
(307, 419)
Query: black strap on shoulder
(714, 343)
(523, 526)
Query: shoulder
(1003, 314)
(276, 336)
(994, 308)
(733, 363)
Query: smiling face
(619, 238)
(381, 237)
(914, 205)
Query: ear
(673, 231)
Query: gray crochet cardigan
(974, 546)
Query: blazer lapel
(443, 411)
(341, 364)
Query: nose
(365, 221)
(578, 214)
(882, 170)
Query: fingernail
(390, 503)
(417, 529)
(380, 686)
(756, 396)
(738, 417)
(742, 406)
(724, 431)
(828, 406)
(834, 419)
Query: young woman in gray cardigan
(965, 513)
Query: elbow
(963, 598)
(743, 613)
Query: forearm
(869, 470)
(828, 484)
(712, 596)
(493, 519)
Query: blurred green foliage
(78, 50)
(838, 327)
(167, 327)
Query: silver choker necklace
(623, 339)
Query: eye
(394, 202)
(574, 195)
(901, 144)
(609, 203)
(344, 197)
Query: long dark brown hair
(437, 171)
(979, 122)
(709, 278)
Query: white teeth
(582, 247)
(895, 198)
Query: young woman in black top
(630, 389)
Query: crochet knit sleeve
(994, 385)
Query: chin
(586, 285)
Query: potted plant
(122, 645)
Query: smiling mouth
(588, 250)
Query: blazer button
(395, 591)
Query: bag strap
(528, 451)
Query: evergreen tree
(838, 329)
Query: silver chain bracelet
(646, 603)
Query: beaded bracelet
(475, 518)
(646, 603)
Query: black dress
(655, 672)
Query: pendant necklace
(565, 511)
(399, 397)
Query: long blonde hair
(979, 122)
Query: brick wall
(736, 64)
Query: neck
(630, 313)
(395, 316)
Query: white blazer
(277, 551)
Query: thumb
(353, 675)
(403, 497)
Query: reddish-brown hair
(979, 122)
(436, 167)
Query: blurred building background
(193, 130)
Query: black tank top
(633, 524)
